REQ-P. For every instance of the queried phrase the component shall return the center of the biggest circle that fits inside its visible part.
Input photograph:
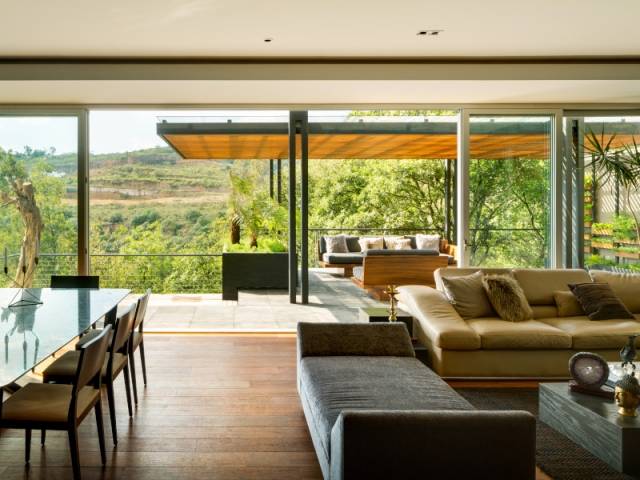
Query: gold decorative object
(627, 395)
(393, 302)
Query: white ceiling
(332, 28)
(317, 92)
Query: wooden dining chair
(137, 342)
(117, 361)
(62, 407)
(75, 281)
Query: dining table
(47, 320)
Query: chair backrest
(123, 330)
(141, 310)
(92, 355)
(75, 281)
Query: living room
(442, 277)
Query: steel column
(462, 194)
(83, 193)
(293, 252)
(303, 123)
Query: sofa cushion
(599, 302)
(358, 272)
(496, 334)
(352, 244)
(625, 285)
(397, 243)
(371, 243)
(539, 284)
(340, 258)
(427, 242)
(568, 305)
(332, 384)
(589, 335)
(507, 298)
(461, 272)
(467, 296)
(438, 320)
(544, 311)
(406, 253)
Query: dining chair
(75, 281)
(137, 342)
(49, 406)
(117, 361)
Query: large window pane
(38, 159)
(509, 190)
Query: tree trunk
(254, 240)
(32, 220)
(235, 229)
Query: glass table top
(29, 334)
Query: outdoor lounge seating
(355, 256)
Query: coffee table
(594, 424)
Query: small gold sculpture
(627, 395)
(393, 302)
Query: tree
(16, 189)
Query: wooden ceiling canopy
(358, 140)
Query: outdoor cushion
(428, 242)
(337, 258)
(358, 272)
(401, 252)
(333, 384)
(352, 244)
(540, 284)
(397, 243)
(625, 285)
(371, 243)
(589, 335)
(337, 244)
(496, 334)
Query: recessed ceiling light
(268, 40)
(429, 33)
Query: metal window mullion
(83, 193)
(462, 194)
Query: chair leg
(27, 445)
(127, 381)
(112, 411)
(75, 454)
(144, 363)
(43, 437)
(103, 453)
(134, 382)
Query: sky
(118, 130)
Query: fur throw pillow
(507, 298)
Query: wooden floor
(217, 407)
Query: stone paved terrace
(332, 298)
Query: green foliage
(624, 228)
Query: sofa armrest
(433, 444)
(367, 339)
(437, 318)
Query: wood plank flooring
(217, 407)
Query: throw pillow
(397, 243)
(507, 298)
(337, 244)
(626, 286)
(599, 302)
(467, 296)
(427, 242)
(371, 243)
(567, 303)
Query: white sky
(119, 130)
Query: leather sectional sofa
(537, 348)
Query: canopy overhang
(363, 140)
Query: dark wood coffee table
(594, 424)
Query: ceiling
(328, 28)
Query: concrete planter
(253, 271)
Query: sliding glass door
(38, 185)
(509, 205)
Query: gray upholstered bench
(376, 412)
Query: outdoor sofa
(537, 348)
(375, 412)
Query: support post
(617, 188)
(303, 123)
(271, 193)
(462, 187)
(293, 253)
(279, 180)
(83, 193)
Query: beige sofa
(538, 348)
